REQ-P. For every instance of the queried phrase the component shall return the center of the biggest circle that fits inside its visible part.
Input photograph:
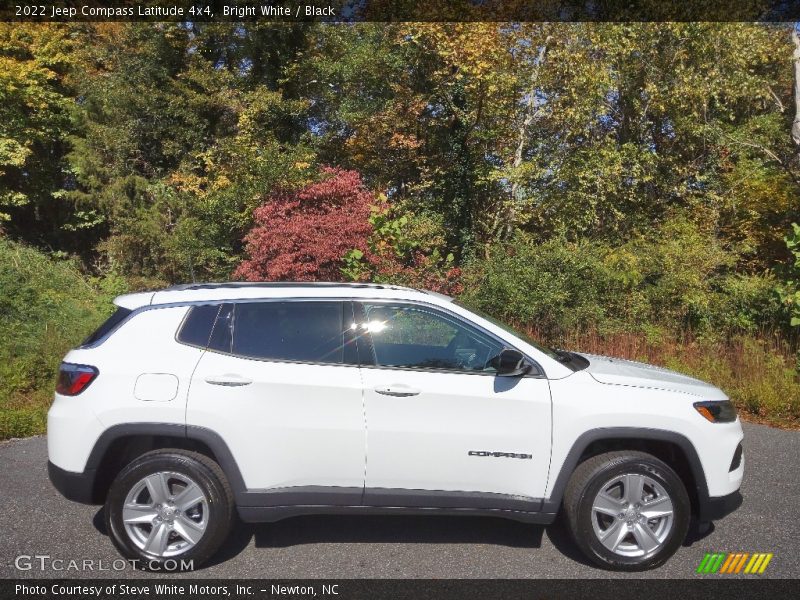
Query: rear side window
(118, 317)
(196, 327)
(290, 331)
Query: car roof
(240, 290)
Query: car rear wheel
(627, 510)
(169, 510)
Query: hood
(617, 371)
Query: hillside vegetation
(629, 188)
(46, 307)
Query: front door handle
(399, 390)
(228, 380)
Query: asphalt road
(36, 520)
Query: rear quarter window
(196, 327)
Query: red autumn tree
(302, 235)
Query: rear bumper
(716, 507)
(78, 487)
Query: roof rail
(281, 284)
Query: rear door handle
(399, 390)
(228, 380)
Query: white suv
(279, 399)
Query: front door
(442, 428)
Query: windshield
(520, 334)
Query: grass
(757, 372)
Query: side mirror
(510, 363)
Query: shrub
(553, 287)
(46, 307)
(304, 235)
(746, 304)
(676, 279)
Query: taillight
(73, 379)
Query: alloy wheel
(632, 515)
(165, 514)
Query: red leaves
(424, 272)
(303, 235)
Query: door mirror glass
(510, 363)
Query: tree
(34, 124)
(304, 235)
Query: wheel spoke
(634, 487)
(188, 529)
(189, 497)
(659, 507)
(158, 488)
(612, 536)
(138, 513)
(645, 537)
(157, 540)
(607, 505)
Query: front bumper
(78, 487)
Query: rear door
(278, 385)
(442, 429)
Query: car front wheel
(627, 510)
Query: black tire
(586, 482)
(200, 469)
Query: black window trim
(536, 372)
(85, 345)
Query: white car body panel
(294, 425)
(641, 375)
(423, 441)
(144, 345)
(580, 404)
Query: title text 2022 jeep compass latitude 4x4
(281, 399)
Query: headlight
(717, 411)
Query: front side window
(290, 331)
(417, 337)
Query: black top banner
(401, 10)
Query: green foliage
(758, 377)
(46, 308)
(681, 278)
(34, 122)
(552, 287)
(790, 291)
(405, 248)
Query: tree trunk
(796, 61)
(507, 228)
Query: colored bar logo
(727, 563)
